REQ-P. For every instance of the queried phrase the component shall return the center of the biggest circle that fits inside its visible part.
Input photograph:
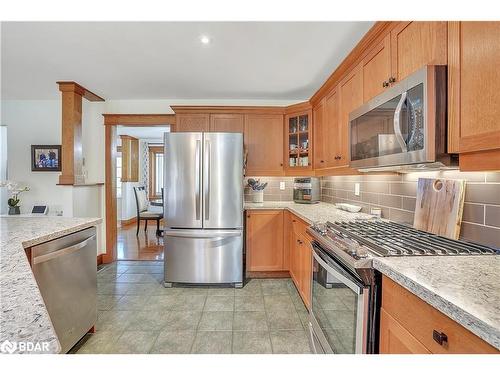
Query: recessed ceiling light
(204, 39)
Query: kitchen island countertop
(24, 317)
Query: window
(158, 174)
(155, 171)
(119, 175)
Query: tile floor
(136, 314)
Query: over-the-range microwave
(405, 127)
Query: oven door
(339, 308)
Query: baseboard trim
(129, 221)
(99, 259)
(267, 274)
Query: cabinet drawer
(421, 320)
(394, 339)
(299, 226)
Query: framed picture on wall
(46, 158)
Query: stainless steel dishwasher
(66, 272)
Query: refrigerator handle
(197, 178)
(206, 183)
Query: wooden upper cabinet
(415, 44)
(351, 97)
(130, 158)
(320, 141)
(192, 122)
(264, 142)
(264, 236)
(479, 82)
(298, 141)
(331, 130)
(377, 69)
(227, 122)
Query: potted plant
(13, 201)
(257, 190)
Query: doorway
(127, 172)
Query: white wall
(3, 167)
(88, 201)
(34, 122)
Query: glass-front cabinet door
(298, 137)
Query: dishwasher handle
(64, 251)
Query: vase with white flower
(15, 190)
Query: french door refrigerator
(203, 208)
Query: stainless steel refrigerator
(203, 208)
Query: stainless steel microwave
(405, 127)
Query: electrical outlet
(356, 189)
(282, 185)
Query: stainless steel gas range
(344, 315)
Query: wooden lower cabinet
(264, 240)
(301, 259)
(394, 339)
(276, 240)
(409, 325)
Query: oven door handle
(349, 283)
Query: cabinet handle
(392, 80)
(439, 337)
(385, 84)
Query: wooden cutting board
(439, 206)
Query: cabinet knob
(248, 216)
(321, 161)
(439, 337)
(392, 80)
(281, 164)
(385, 84)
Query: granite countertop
(24, 317)
(311, 213)
(464, 288)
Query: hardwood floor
(145, 246)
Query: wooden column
(110, 194)
(71, 150)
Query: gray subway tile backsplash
(473, 213)
(272, 192)
(395, 195)
(492, 216)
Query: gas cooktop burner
(385, 238)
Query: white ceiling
(150, 134)
(153, 60)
